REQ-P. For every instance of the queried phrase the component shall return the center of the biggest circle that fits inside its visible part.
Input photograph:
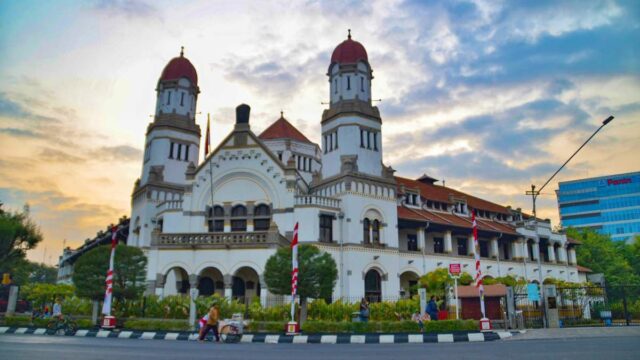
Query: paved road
(34, 347)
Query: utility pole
(534, 196)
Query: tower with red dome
(351, 127)
(172, 145)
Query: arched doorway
(210, 281)
(373, 286)
(176, 281)
(408, 284)
(245, 285)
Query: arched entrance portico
(245, 285)
(408, 281)
(176, 281)
(210, 281)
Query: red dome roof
(349, 52)
(180, 67)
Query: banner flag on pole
(476, 252)
(294, 271)
(108, 294)
(207, 138)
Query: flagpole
(109, 321)
(206, 149)
(294, 271)
(484, 322)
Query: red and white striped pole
(292, 326)
(485, 324)
(109, 321)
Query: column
(471, 248)
(160, 281)
(447, 242)
(193, 294)
(572, 256)
(263, 292)
(536, 250)
(421, 240)
(552, 253)
(524, 248)
(562, 254)
(250, 214)
(493, 247)
(227, 216)
(228, 283)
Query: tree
(317, 274)
(28, 272)
(18, 234)
(90, 271)
(437, 281)
(42, 293)
(603, 255)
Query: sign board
(532, 292)
(423, 300)
(454, 269)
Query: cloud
(118, 153)
(58, 156)
(12, 109)
(127, 8)
(23, 133)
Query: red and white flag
(207, 140)
(108, 294)
(294, 270)
(476, 252)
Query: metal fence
(613, 305)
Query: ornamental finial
(181, 51)
(281, 114)
(349, 35)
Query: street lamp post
(534, 195)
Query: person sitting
(420, 319)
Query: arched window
(373, 286)
(366, 224)
(376, 231)
(262, 217)
(239, 218)
(216, 219)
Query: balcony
(219, 240)
(169, 205)
(315, 200)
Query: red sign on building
(454, 269)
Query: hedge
(317, 326)
(157, 324)
(25, 321)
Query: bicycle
(62, 325)
(230, 333)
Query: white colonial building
(212, 224)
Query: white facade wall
(176, 99)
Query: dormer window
(412, 199)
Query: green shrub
(157, 324)
(451, 325)
(266, 326)
(17, 321)
(85, 323)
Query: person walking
(364, 310)
(212, 323)
(432, 308)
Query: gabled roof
(452, 220)
(283, 129)
(441, 193)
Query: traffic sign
(454, 269)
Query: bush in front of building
(156, 325)
(25, 321)
(405, 326)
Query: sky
(491, 96)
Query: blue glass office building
(608, 204)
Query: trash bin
(355, 316)
(605, 315)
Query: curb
(283, 339)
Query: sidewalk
(284, 339)
(582, 332)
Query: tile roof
(448, 219)
(573, 241)
(282, 129)
(583, 269)
(441, 193)
(471, 291)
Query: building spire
(349, 35)
(181, 51)
(281, 114)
